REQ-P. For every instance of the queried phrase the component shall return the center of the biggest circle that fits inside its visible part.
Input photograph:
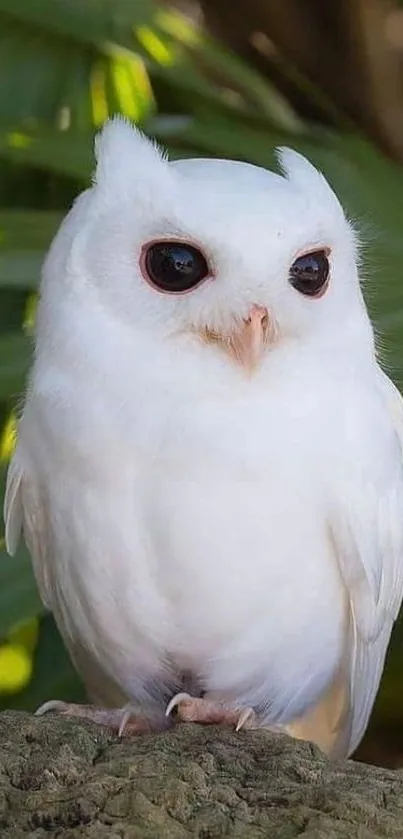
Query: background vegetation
(325, 78)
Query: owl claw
(117, 719)
(127, 712)
(175, 701)
(209, 712)
(51, 705)
(244, 716)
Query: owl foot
(118, 719)
(208, 712)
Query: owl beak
(247, 343)
(250, 341)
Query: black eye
(309, 273)
(174, 267)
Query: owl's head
(238, 257)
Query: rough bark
(64, 779)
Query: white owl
(209, 465)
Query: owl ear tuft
(302, 174)
(121, 149)
(297, 169)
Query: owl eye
(309, 274)
(174, 267)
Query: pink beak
(247, 343)
(251, 339)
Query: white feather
(367, 534)
(13, 513)
(24, 512)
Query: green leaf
(65, 153)
(54, 676)
(92, 21)
(19, 598)
(24, 238)
(57, 58)
(20, 269)
(27, 229)
(15, 354)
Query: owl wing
(24, 512)
(24, 508)
(367, 534)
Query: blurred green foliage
(65, 67)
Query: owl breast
(204, 550)
(234, 517)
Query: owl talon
(209, 712)
(245, 715)
(52, 705)
(118, 719)
(176, 701)
(127, 713)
